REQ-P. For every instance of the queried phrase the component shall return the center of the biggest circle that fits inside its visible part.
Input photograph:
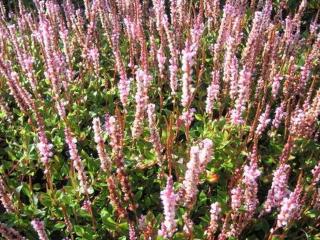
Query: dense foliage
(160, 120)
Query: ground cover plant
(159, 119)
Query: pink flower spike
(168, 198)
(39, 228)
(104, 158)
(290, 207)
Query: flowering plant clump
(154, 119)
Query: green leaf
(59, 225)
(110, 224)
(79, 230)
(311, 214)
(179, 236)
(45, 200)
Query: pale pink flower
(93, 56)
(236, 198)
(132, 232)
(168, 197)
(290, 207)
(10, 233)
(243, 94)
(188, 61)
(205, 154)
(5, 197)
(215, 212)
(103, 156)
(250, 175)
(316, 174)
(187, 117)
(161, 61)
(212, 91)
(280, 114)
(264, 121)
(191, 178)
(279, 188)
(200, 155)
(276, 85)
(143, 83)
(76, 160)
(39, 228)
